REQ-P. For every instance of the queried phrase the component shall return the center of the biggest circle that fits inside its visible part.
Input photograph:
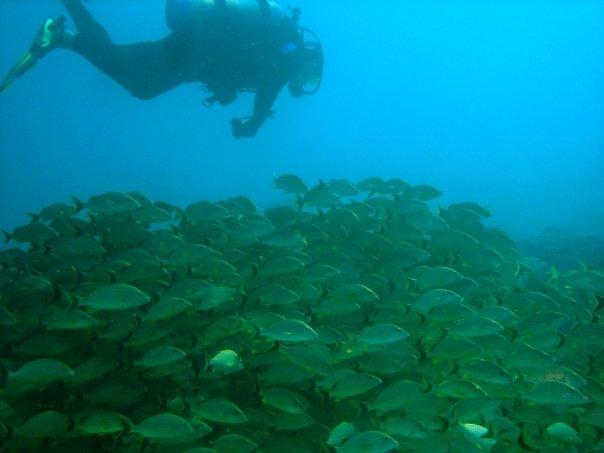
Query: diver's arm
(263, 103)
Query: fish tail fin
(79, 204)
(4, 375)
(7, 236)
(256, 331)
(255, 269)
(299, 201)
(206, 361)
(554, 273)
(155, 296)
(241, 289)
(80, 276)
(365, 408)
(324, 292)
(65, 298)
(179, 212)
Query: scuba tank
(191, 15)
(253, 23)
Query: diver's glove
(243, 128)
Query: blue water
(499, 102)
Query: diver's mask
(309, 78)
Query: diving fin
(50, 35)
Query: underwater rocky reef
(355, 318)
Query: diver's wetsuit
(148, 69)
(145, 69)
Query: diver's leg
(86, 24)
(145, 69)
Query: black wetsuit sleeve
(263, 104)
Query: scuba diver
(229, 46)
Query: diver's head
(310, 72)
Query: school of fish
(353, 318)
